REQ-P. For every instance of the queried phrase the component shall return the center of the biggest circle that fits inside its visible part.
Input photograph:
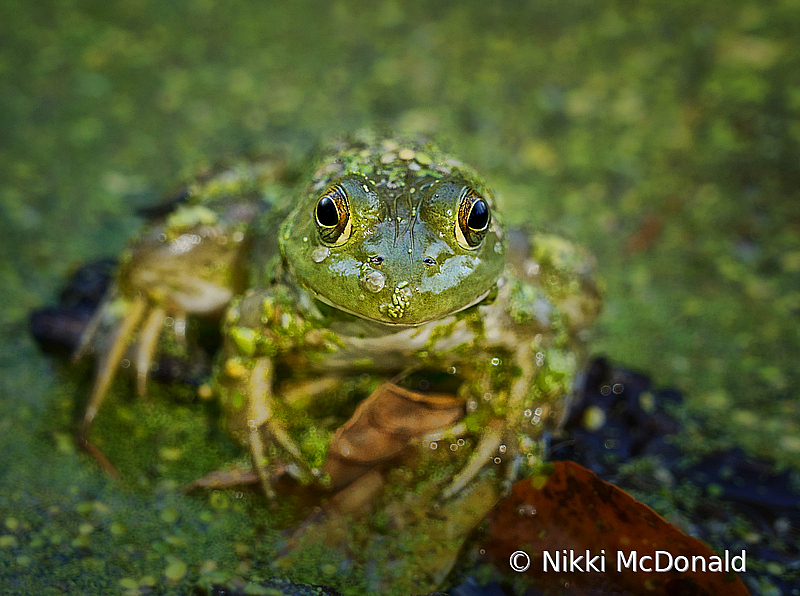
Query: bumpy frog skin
(390, 258)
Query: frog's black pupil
(478, 215)
(326, 212)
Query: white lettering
(702, 560)
(659, 555)
(641, 563)
(590, 563)
(553, 564)
(629, 564)
(575, 563)
(742, 558)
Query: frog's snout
(373, 281)
(393, 285)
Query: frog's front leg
(504, 435)
(262, 330)
(259, 412)
(535, 333)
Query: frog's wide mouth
(389, 320)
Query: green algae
(662, 136)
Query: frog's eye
(473, 219)
(333, 216)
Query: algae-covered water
(664, 136)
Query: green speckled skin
(409, 281)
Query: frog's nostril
(376, 260)
(429, 261)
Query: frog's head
(395, 232)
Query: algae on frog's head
(395, 232)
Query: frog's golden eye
(332, 214)
(473, 220)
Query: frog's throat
(388, 323)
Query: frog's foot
(139, 315)
(237, 474)
(141, 318)
(484, 452)
(299, 469)
(261, 420)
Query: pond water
(663, 136)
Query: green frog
(388, 259)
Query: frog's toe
(146, 347)
(484, 452)
(115, 327)
(515, 460)
(112, 357)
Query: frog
(385, 258)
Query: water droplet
(528, 413)
(617, 388)
(487, 397)
(538, 411)
(472, 406)
(320, 253)
(451, 370)
(502, 449)
(497, 460)
(434, 445)
(495, 361)
(461, 442)
(453, 446)
(374, 281)
(605, 390)
(125, 363)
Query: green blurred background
(664, 136)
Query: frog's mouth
(393, 311)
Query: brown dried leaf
(573, 510)
(382, 426)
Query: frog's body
(390, 259)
